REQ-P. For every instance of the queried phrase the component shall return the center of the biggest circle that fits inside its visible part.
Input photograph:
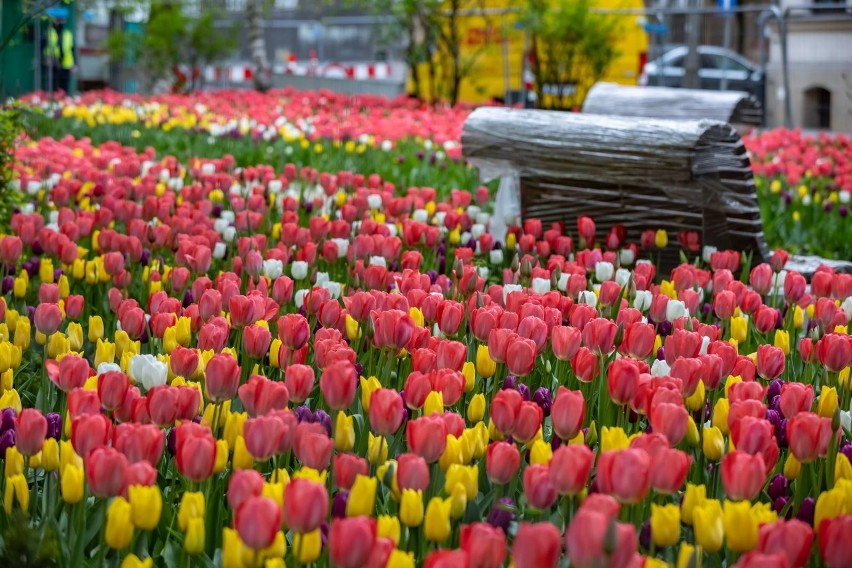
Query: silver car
(715, 63)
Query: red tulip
(752, 435)
(256, 340)
(536, 546)
(412, 472)
(624, 474)
(299, 380)
(520, 356)
(724, 303)
(347, 467)
(106, 472)
(535, 329)
(417, 388)
(670, 420)
(835, 548)
(761, 278)
(586, 365)
(570, 467)
(743, 475)
(450, 355)
(484, 544)
(260, 395)
(222, 377)
(669, 468)
(11, 248)
(530, 417)
(622, 381)
(47, 318)
(809, 436)
(30, 430)
(796, 398)
(312, 445)
(293, 330)
(139, 442)
(567, 413)
(757, 559)
(350, 541)
(133, 322)
(770, 362)
(449, 317)
(599, 334)
(258, 520)
(305, 505)
(427, 437)
(386, 411)
(682, 343)
(89, 431)
(586, 229)
(71, 373)
(244, 484)
(195, 453)
(482, 321)
(140, 473)
(565, 341)
(791, 538)
(112, 386)
(74, 305)
(638, 340)
(263, 436)
(498, 343)
(393, 329)
(505, 410)
(690, 371)
(765, 319)
(795, 286)
(501, 462)
(338, 383)
(593, 534)
(834, 351)
(538, 490)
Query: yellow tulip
(192, 506)
(827, 405)
(457, 501)
(170, 339)
(453, 453)
(193, 542)
(387, 526)
(694, 496)
(344, 432)
(146, 505)
(307, 546)
(16, 491)
(782, 341)
(411, 508)
(221, 456)
(19, 288)
(469, 373)
(842, 468)
(368, 387)
(353, 331)
(792, 467)
(75, 336)
(50, 455)
(695, 401)
(709, 527)
(72, 484)
(64, 287)
(437, 520)
(540, 453)
(45, 270)
(476, 408)
(362, 496)
(720, 415)
(234, 423)
(133, 561)
(11, 399)
(104, 352)
(485, 365)
(661, 238)
(613, 438)
(693, 438)
(119, 530)
(466, 476)
(713, 443)
(740, 526)
(417, 315)
(665, 524)
(687, 556)
(434, 403)
(377, 449)
(242, 458)
(274, 491)
(739, 328)
(23, 332)
(829, 504)
(96, 328)
(183, 330)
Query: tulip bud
(792, 467)
(119, 530)
(411, 508)
(713, 444)
(476, 408)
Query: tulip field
(275, 330)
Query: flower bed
(205, 364)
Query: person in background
(59, 54)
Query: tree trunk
(261, 70)
(412, 59)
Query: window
(817, 108)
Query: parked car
(715, 63)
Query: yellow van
(496, 47)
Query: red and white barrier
(240, 73)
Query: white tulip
(299, 269)
(477, 230)
(275, 186)
(229, 234)
(299, 297)
(148, 371)
(676, 309)
(420, 215)
(107, 367)
(603, 271)
(342, 247)
(846, 306)
(707, 252)
(219, 225)
(374, 201)
(378, 261)
(509, 288)
(541, 285)
(627, 256)
(333, 288)
(705, 343)
(219, 250)
(228, 215)
(496, 256)
(622, 276)
(587, 297)
(660, 368)
(562, 284)
(273, 268)
(322, 278)
(484, 272)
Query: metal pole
(729, 20)
(692, 62)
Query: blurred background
(794, 57)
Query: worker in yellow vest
(59, 54)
